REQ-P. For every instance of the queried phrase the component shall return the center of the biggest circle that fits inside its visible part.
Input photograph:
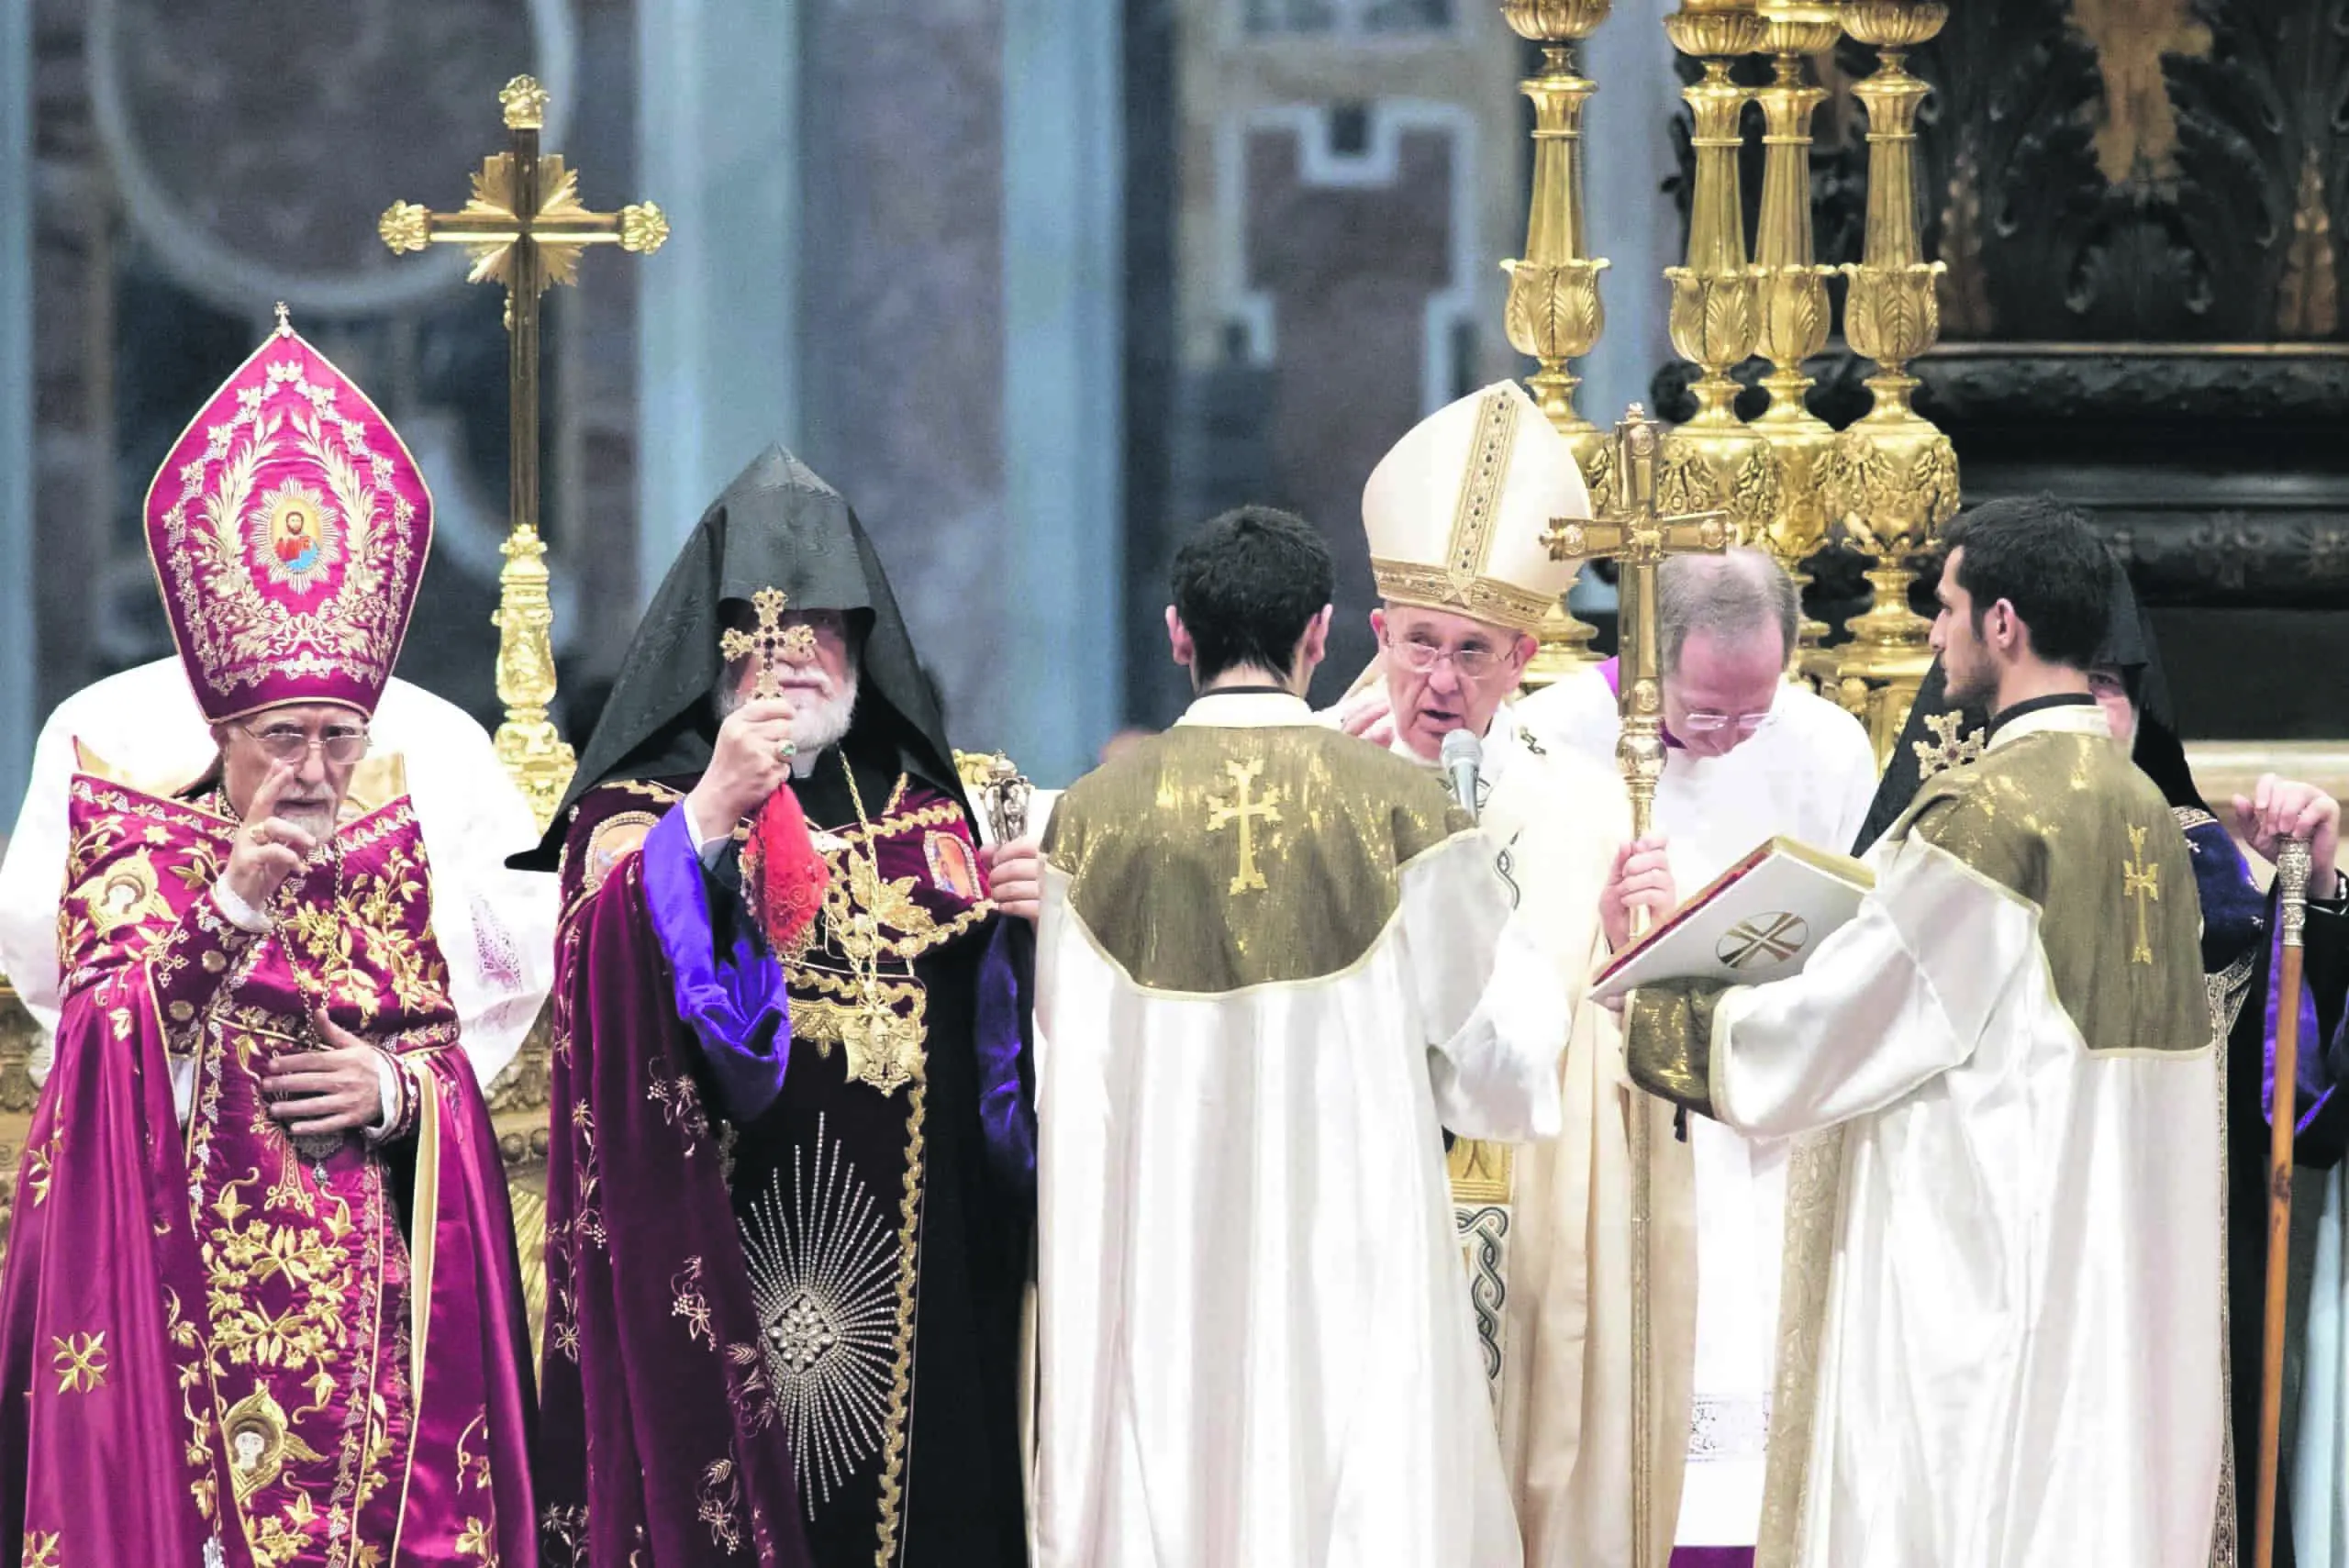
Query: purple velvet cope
(729, 990)
(1613, 670)
(1712, 1557)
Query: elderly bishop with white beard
(793, 1165)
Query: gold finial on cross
(1240, 810)
(525, 227)
(771, 642)
(1638, 534)
(2141, 881)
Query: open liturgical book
(1758, 921)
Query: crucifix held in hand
(1638, 534)
(525, 227)
(771, 643)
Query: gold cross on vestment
(2141, 882)
(771, 642)
(1241, 811)
(1637, 533)
(525, 227)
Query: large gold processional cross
(1638, 533)
(525, 227)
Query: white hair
(1730, 596)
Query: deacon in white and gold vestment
(2002, 1338)
(1455, 514)
(1261, 992)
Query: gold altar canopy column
(525, 227)
(1891, 480)
(1714, 459)
(1793, 309)
(1554, 313)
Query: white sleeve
(183, 1087)
(1490, 998)
(1896, 997)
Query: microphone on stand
(1462, 754)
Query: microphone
(1462, 754)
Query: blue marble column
(19, 679)
(717, 115)
(1627, 158)
(1063, 409)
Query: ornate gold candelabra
(1892, 476)
(1793, 309)
(1554, 315)
(1715, 460)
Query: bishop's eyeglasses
(341, 744)
(1420, 657)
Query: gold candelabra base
(1878, 671)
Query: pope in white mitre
(1455, 514)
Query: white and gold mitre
(1456, 512)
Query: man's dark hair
(1246, 586)
(2041, 557)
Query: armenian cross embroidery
(771, 643)
(1240, 810)
(2141, 882)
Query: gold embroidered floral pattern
(80, 1362)
(41, 1548)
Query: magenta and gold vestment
(222, 1346)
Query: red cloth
(784, 877)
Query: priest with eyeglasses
(261, 1304)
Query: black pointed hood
(778, 525)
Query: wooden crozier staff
(2292, 904)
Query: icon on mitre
(298, 542)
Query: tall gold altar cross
(525, 227)
(1635, 533)
(2141, 880)
(771, 643)
(1241, 811)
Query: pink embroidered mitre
(289, 526)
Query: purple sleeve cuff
(728, 988)
(1007, 1109)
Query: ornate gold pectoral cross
(2142, 881)
(1243, 811)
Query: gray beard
(817, 723)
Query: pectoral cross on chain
(1240, 810)
(771, 642)
(2142, 881)
(1639, 535)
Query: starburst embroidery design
(823, 1274)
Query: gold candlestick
(1794, 306)
(1891, 479)
(1554, 315)
(1716, 460)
